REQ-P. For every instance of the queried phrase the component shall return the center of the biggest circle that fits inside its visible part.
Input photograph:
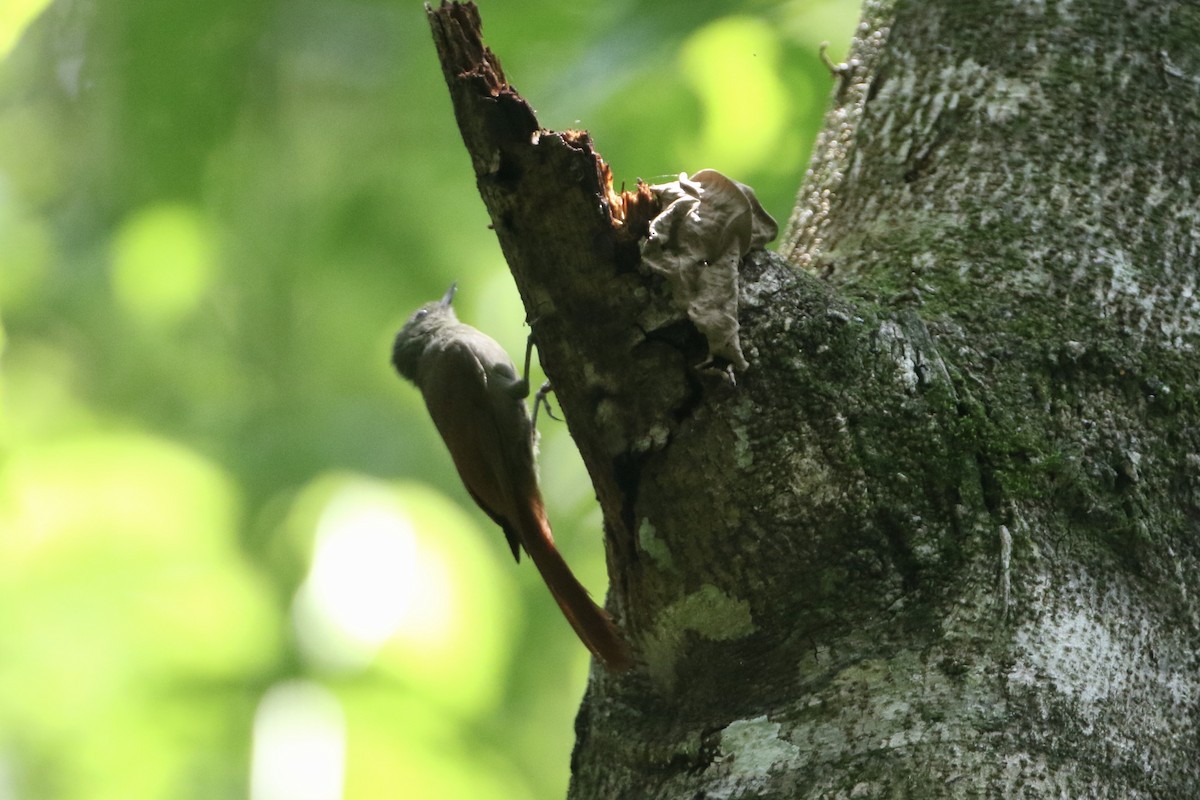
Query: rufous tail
(592, 624)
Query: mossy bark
(941, 538)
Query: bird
(477, 402)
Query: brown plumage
(476, 400)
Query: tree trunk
(940, 538)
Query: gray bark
(940, 539)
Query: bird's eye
(421, 312)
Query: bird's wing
(467, 391)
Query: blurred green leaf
(213, 219)
(125, 603)
(162, 262)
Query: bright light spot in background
(299, 749)
(370, 579)
(733, 65)
(162, 262)
(15, 16)
(400, 560)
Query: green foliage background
(234, 558)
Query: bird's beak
(449, 295)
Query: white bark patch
(1122, 277)
(1077, 652)
(1006, 545)
(1106, 661)
(708, 224)
(1006, 99)
(1001, 98)
(750, 750)
(902, 353)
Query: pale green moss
(653, 546)
(709, 612)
